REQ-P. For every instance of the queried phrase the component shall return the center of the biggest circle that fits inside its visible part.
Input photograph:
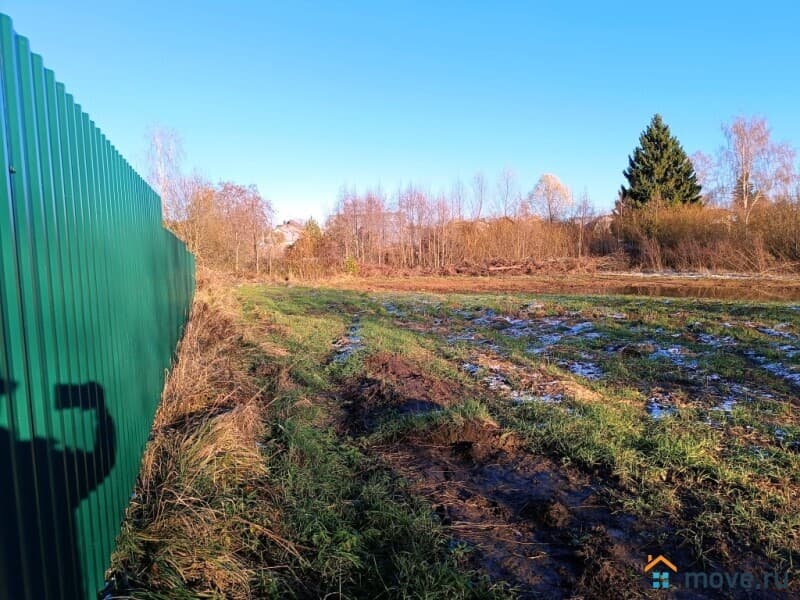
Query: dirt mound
(394, 387)
(404, 380)
(474, 440)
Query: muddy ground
(541, 528)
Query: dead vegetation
(184, 528)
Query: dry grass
(697, 238)
(202, 505)
(774, 287)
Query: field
(441, 445)
(696, 285)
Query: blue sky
(303, 97)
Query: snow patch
(676, 355)
(471, 369)
(658, 409)
(528, 398)
(584, 369)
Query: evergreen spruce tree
(659, 170)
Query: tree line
(736, 210)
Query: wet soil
(528, 522)
(393, 387)
(543, 530)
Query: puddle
(732, 394)
(789, 351)
(742, 291)
(544, 343)
(552, 321)
(507, 326)
(780, 370)
(777, 331)
(484, 321)
(348, 344)
(727, 405)
(518, 328)
(658, 409)
(593, 335)
(743, 393)
(471, 336)
(466, 336)
(580, 328)
(788, 374)
(498, 382)
(393, 310)
(544, 332)
(781, 436)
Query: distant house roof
(290, 231)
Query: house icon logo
(660, 577)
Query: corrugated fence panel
(94, 296)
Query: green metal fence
(94, 295)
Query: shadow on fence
(60, 488)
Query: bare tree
(707, 177)
(164, 158)
(196, 225)
(478, 199)
(582, 214)
(457, 199)
(415, 205)
(245, 216)
(753, 168)
(550, 199)
(507, 193)
(372, 233)
(256, 219)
